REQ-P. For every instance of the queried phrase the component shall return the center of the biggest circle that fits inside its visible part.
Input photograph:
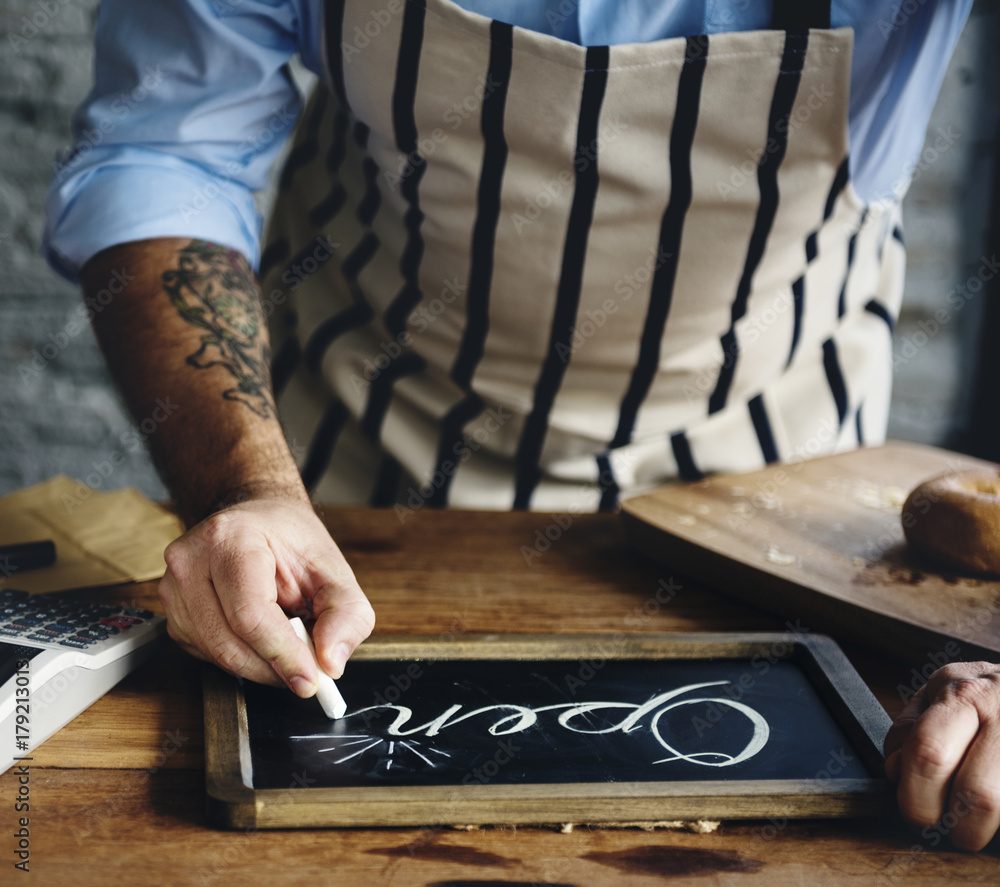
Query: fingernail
(341, 653)
(301, 687)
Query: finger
(344, 617)
(892, 765)
(904, 722)
(900, 730)
(931, 755)
(185, 645)
(178, 618)
(245, 582)
(975, 795)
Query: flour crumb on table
(878, 497)
(779, 557)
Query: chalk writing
(509, 718)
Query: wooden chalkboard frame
(233, 803)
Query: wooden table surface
(117, 796)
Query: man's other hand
(944, 752)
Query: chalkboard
(555, 729)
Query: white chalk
(327, 693)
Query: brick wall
(60, 412)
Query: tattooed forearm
(213, 288)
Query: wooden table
(117, 796)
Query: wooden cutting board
(820, 543)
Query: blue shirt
(192, 102)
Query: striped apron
(508, 271)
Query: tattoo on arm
(213, 288)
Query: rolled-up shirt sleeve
(191, 104)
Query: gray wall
(67, 418)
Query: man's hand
(944, 752)
(190, 327)
(231, 578)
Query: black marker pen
(28, 555)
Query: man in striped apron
(505, 270)
(559, 274)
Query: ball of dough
(955, 520)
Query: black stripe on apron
(285, 363)
(686, 468)
(351, 318)
(381, 392)
(323, 442)
(308, 148)
(671, 231)
(386, 488)
(333, 28)
(324, 211)
(835, 378)
(608, 484)
(798, 309)
(483, 244)
(879, 310)
(791, 15)
(338, 144)
(404, 123)
(529, 450)
(812, 252)
(762, 427)
(277, 251)
(858, 428)
(789, 75)
(372, 199)
(851, 248)
(897, 235)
